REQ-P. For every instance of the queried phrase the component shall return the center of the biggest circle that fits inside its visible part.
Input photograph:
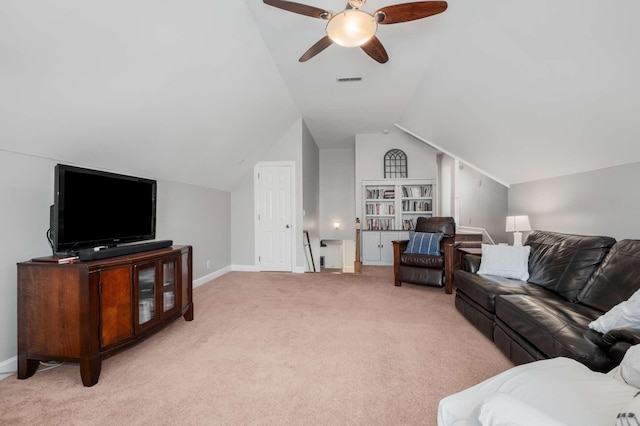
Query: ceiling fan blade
(322, 44)
(302, 9)
(375, 49)
(409, 11)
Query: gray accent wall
(337, 194)
(482, 202)
(599, 202)
(297, 145)
(187, 214)
(311, 196)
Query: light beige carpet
(278, 349)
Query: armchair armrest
(449, 261)
(399, 247)
(618, 341)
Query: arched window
(395, 164)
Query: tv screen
(95, 208)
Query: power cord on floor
(49, 365)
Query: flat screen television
(93, 208)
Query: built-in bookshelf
(396, 205)
(380, 207)
(391, 208)
(417, 200)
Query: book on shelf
(417, 191)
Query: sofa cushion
(424, 243)
(483, 289)
(563, 263)
(422, 260)
(554, 326)
(616, 279)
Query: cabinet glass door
(146, 294)
(168, 285)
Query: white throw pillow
(505, 261)
(502, 409)
(624, 315)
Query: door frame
(256, 206)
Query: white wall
(447, 185)
(600, 202)
(186, 214)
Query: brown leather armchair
(423, 268)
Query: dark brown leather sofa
(422, 268)
(573, 280)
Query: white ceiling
(197, 91)
(522, 90)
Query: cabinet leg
(26, 367)
(188, 316)
(90, 370)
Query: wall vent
(348, 79)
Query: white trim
(256, 206)
(475, 230)
(245, 268)
(8, 367)
(434, 146)
(212, 276)
(299, 270)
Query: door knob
(287, 226)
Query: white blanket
(560, 390)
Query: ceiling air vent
(348, 79)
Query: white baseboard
(254, 268)
(8, 367)
(212, 276)
(244, 268)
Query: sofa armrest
(471, 263)
(618, 341)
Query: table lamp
(516, 224)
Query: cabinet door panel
(386, 246)
(115, 305)
(169, 285)
(370, 246)
(145, 276)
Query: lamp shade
(518, 223)
(351, 28)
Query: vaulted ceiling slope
(523, 90)
(178, 90)
(196, 91)
(529, 90)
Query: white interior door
(275, 225)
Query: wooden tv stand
(86, 311)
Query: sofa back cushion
(616, 279)
(563, 263)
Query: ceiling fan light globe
(351, 28)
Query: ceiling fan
(354, 27)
